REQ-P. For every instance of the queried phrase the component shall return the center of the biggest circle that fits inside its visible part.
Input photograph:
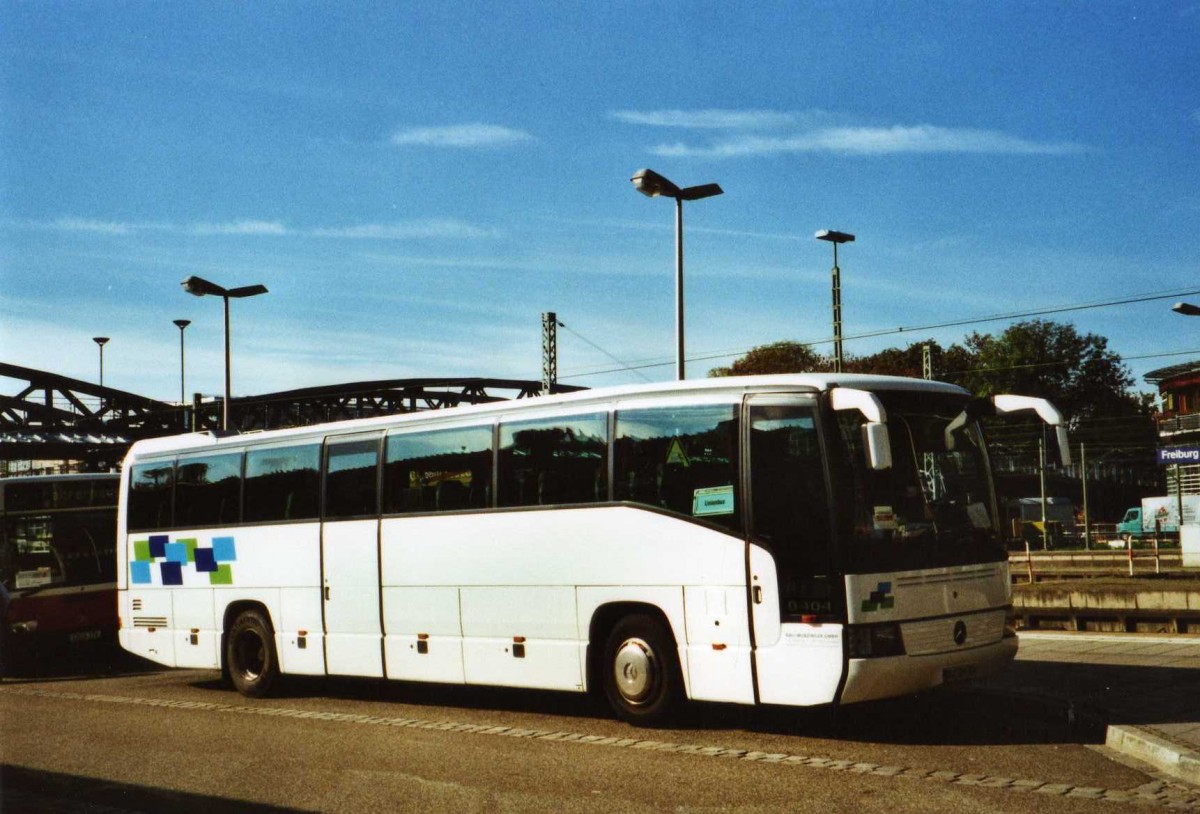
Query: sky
(415, 183)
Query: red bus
(58, 561)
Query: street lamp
(653, 185)
(101, 341)
(1186, 308)
(836, 238)
(181, 324)
(200, 287)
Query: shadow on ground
(81, 662)
(30, 790)
(962, 716)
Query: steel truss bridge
(57, 418)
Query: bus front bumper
(871, 679)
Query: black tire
(250, 654)
(640, 671)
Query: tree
(778, 357)
(1078, 373)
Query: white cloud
(711, 119)
(242, 227)
(403, 230)
(922, 138)
(407, 230)
(461, 135)
(90, 225)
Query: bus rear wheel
(641, 671)
(250, 654)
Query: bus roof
(731, 385)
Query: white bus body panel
(717, 657)
(350, 581)
(542, 575)
(430, 615)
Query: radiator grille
(937, 635)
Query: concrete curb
(1160, 752)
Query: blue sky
(416, 182)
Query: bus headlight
(28, 626)
(875, 641)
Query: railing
(1179, 423)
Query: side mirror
(1006, 404)
(876, 440)
(878, 444)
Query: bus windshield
(934, 506)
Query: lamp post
(836, 238)
(200, 287)
(101, 341)
(653, 185)
(181, 324)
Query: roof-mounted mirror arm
(1006, 405)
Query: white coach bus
(799, 539)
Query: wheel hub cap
(635, 669)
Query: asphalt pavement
(1144, 688)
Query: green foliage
(1040, 358)
(1077, 372)
(778, 357)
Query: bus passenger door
(794, 594)
(350, 557)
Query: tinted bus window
(682, 459)
(282, 484)
(791, 505)
(351, 479)
(150, 496)
(208, 490)
(438, 471)
(561, 460)
(25, 497)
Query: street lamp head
(1186, 308)
(701, 191)
(834, 236)
(199, 287)
(100, 340)
(182, 323)
(247, 291)
(652, 185)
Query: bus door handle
(757, 594)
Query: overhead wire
(1130, 300)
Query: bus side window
(556, 461)
(351, 478)
(208, 490)
(682, 459)
(150, 488)
(283, 483)
(438, 470)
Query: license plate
(961, 673)
(84, 636)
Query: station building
(1179, 420)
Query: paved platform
(1145, 688)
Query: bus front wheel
(641, 671)
(250, 654)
